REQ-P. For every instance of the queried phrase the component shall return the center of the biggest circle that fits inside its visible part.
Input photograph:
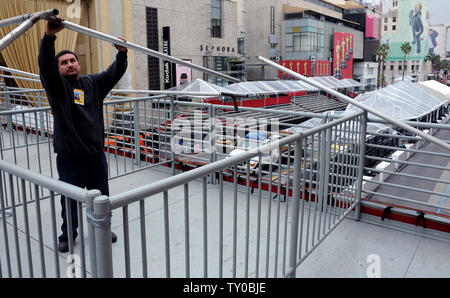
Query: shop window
(216, 18)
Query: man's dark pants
(90, 172)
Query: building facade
(437, 43)
(406, 21)
(300, 32)
(369, 19)
(203, 32)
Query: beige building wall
(389, 21)
(112, 17)
(190, 23)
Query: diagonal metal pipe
(15, 20)
(135, 47)
(358, 104)
(28, 21)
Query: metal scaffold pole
(27, 21)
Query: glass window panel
(296, 42)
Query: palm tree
(444, 65)
(406, 49)
(381, 53)
(435, 61)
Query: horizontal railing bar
(407, 163)
(11, 70)
(406, 200)
(408, 175)
(22, 91)
(403, 137)
(142, 169)
(20, 78)
(408, 150)
(407, 187)
(415, 124)
(61, 187)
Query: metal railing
(137, 141)
(330, 185)
(244, 235)
(286, 232)
(407, 174)
(29, 245)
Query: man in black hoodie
(77, 107)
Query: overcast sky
(439, 10)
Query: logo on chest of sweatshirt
(78, 96)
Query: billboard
(343, 55)
(307, 68)
(183, 73)
(433, 40)
(411, 26)
(372, 26)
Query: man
(77, 107)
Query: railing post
(103, 246)
(137, 143)
(212, 140)
(362, 151)
(172, 134)
(90, 196)
(8, 107)
(323, 170)
(41, 115)
(295, 209)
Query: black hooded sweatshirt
(77, 105)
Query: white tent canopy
(201, 86)
(331, 82)
(437, 88)
(269, 87)
(353, 83)
(314, 122)
(403, 100)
